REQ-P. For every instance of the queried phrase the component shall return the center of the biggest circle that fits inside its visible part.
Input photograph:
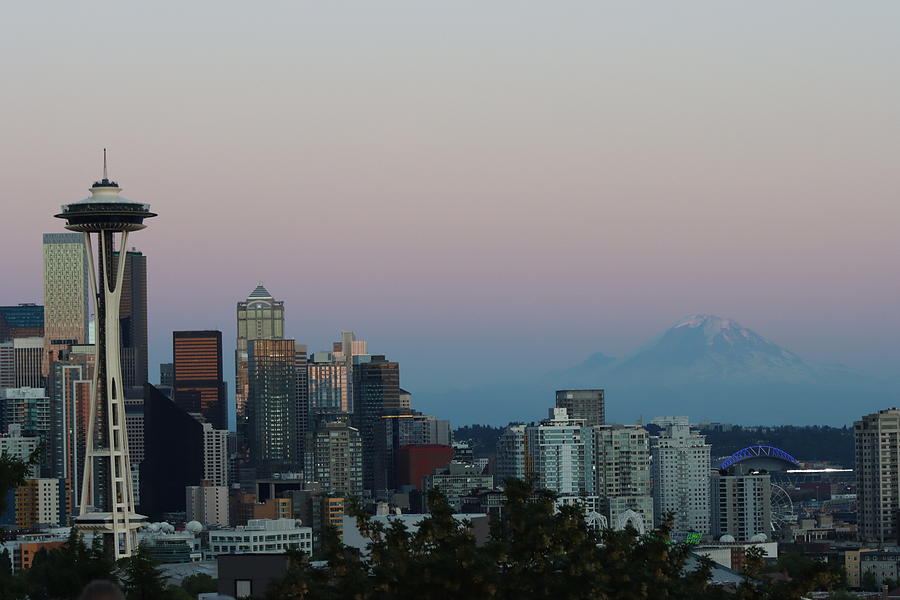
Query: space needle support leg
(87, 494)
(120, 503)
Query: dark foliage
(535, 551)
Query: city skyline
(508, 217)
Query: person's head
(101, 589)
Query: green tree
(141, 578)
(536, 550)
(14, 472)
(11, 587)
(198, 583)
(869, 582)
(63, 572)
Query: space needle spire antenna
(107, 502)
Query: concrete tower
(107, 497)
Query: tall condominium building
(877, 441)
(23, 320)
(741, 505)
(207, 504)
(133, 323)
(272, 410)
(376, 393)
(680, 476)
(334, 459)
(512, 457)
(66, 309)
(428, 429)
(587, 405)
(29, 408)
(351, 351)
(622, 462)
(21, 362)
(8, 364)
(215, 455)
(69, 390)
(390, 433)
(561, 451)
(259, 317)
(301, 382)
(199, 387)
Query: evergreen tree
(63, 572)
(141, 578)
(198, 584)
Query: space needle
(107, 495)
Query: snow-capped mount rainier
(704, 366)
(712, 348)
(715, 368)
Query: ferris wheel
(782, 508)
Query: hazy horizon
(479, 191)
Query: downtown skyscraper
(133, 323)
(66, 307)
(259, 317)
(272, 410)
(198, 385)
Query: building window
(243, 588)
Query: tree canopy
(536, 550)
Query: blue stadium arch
(757, 452)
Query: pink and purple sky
(476, 188)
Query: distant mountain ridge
(705, 366)
(707, 348)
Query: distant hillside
(831, 444)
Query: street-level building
(269, 536)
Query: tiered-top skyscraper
(259, 317)
(107, 502)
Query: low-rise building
(261, 536)
(458, 480)
(880, 566)
(41, 502)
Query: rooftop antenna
(104, 165)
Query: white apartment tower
(622, 474)
(680, 479)
(877, 440)
(741, 505)
(511, 460)
(560, 451)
